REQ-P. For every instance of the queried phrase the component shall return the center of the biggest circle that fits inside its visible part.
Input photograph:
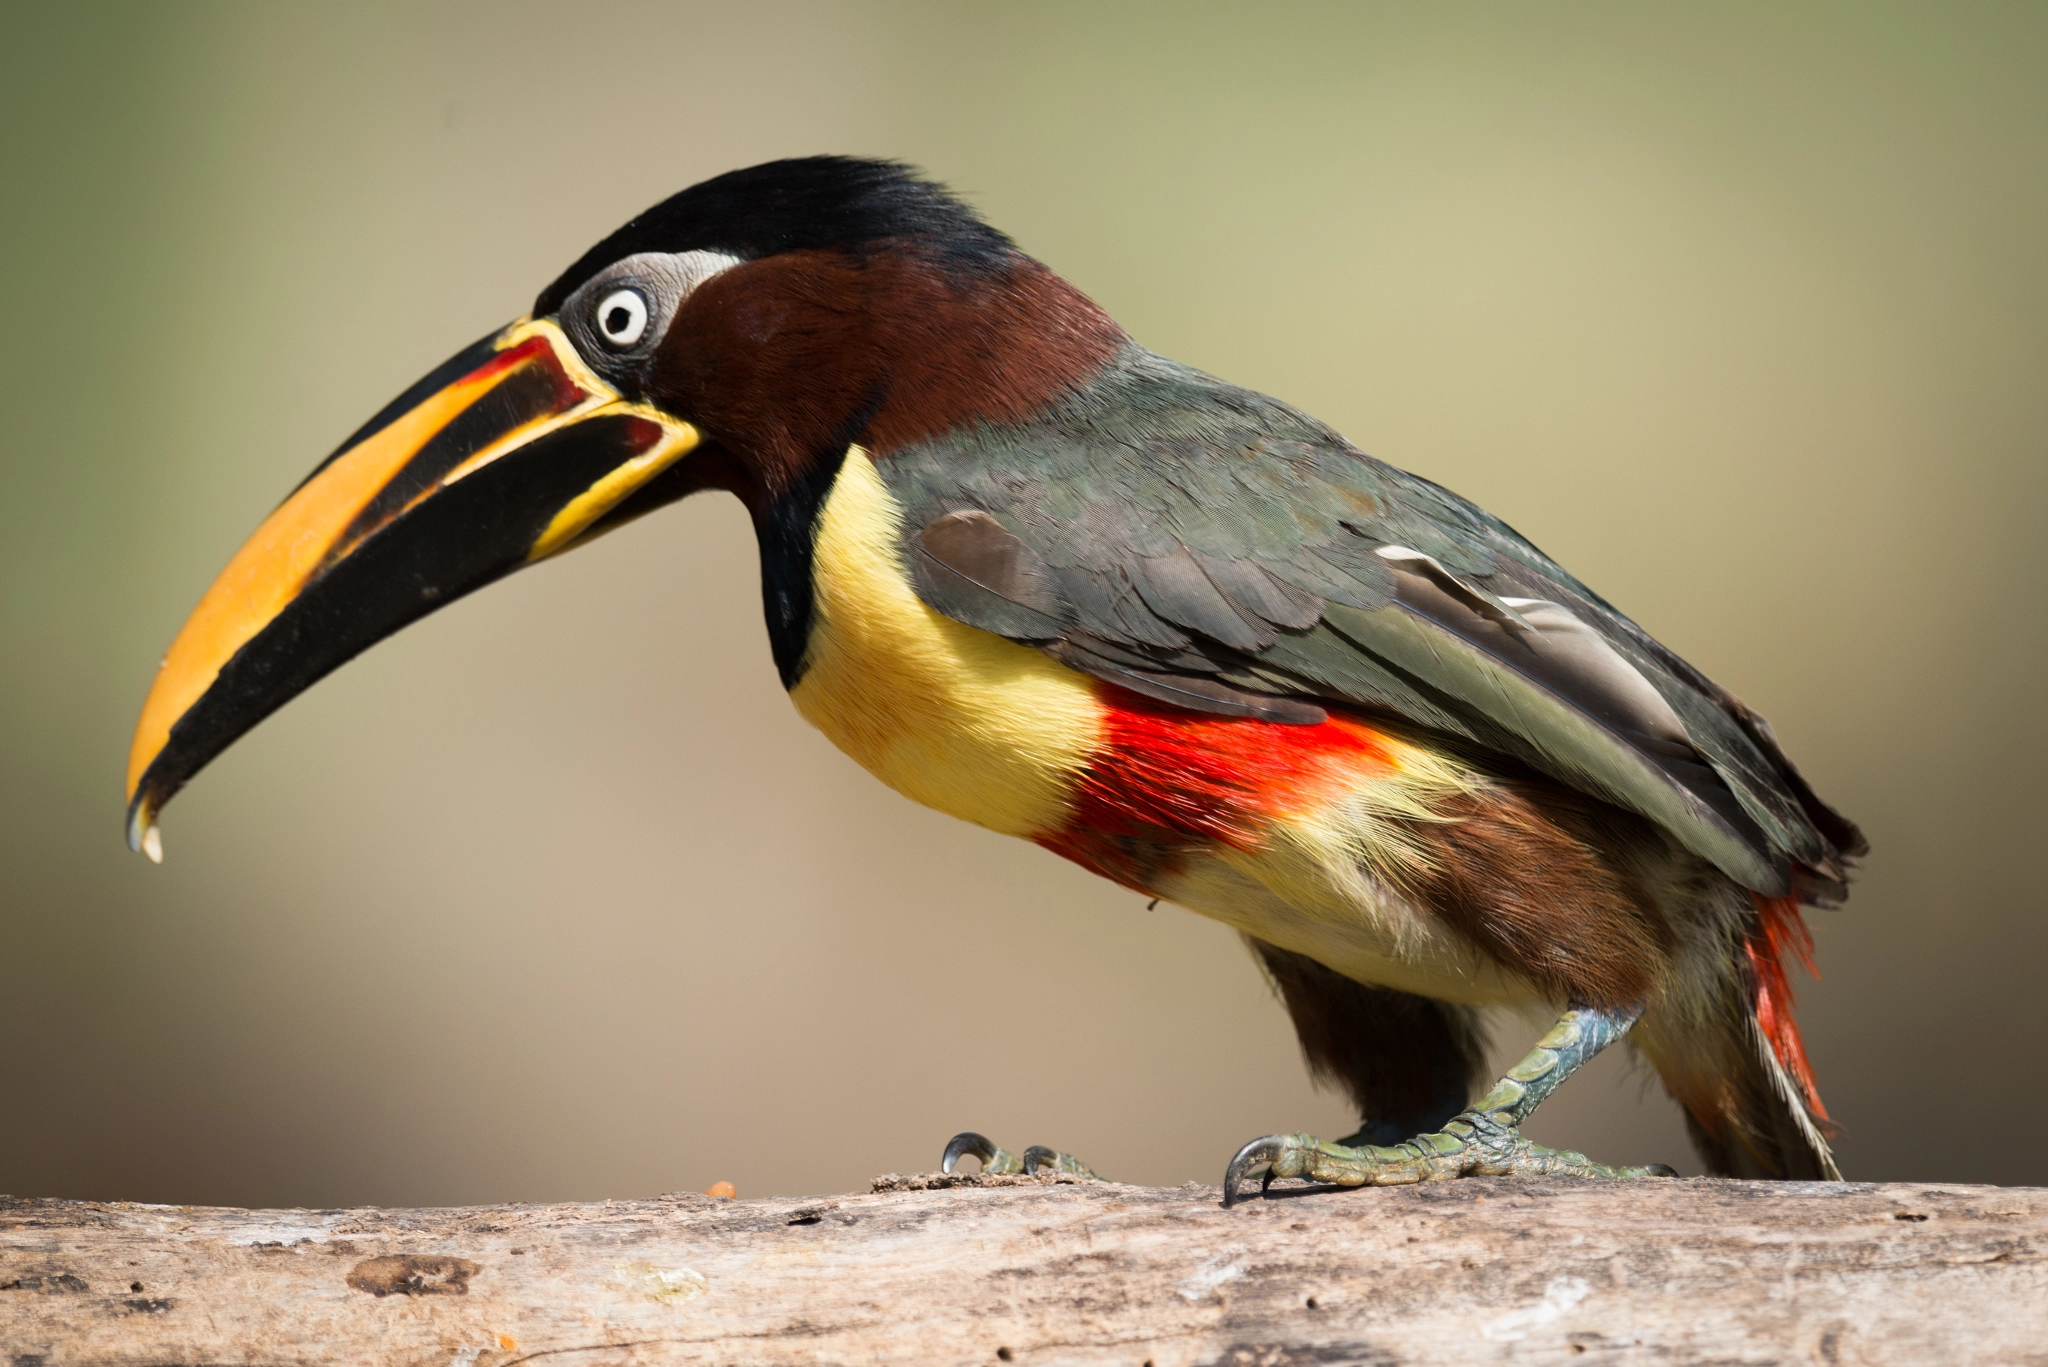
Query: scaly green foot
(1474, 1144)
(1485, 1141)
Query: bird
(1034, 575)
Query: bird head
(740, 335)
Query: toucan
(1034, 575)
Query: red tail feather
(1780, 928)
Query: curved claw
(968, 1142)
(1038, 1158)
(1263, 1152)
(1661, 1170)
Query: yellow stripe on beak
(511, 459)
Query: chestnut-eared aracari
(1031, 574)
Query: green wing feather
(1219, 550)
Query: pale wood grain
(1477, 1271)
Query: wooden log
(1039, 1270)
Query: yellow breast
(950, 716)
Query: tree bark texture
(1042, 1270)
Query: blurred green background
(1741, 311)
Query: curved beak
(507, 453)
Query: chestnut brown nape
(789, 360)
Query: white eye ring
(622, 318)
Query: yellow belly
(1343, 920)
(949, 716)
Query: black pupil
(617, 319)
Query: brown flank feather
(1517, 868)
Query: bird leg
(1036, 1159)
(1482, 1141)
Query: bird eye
(622, 318)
